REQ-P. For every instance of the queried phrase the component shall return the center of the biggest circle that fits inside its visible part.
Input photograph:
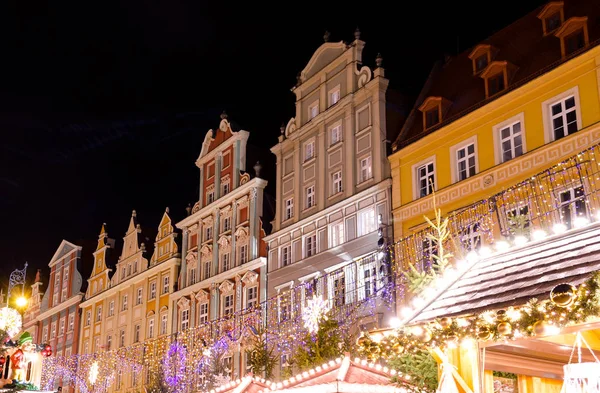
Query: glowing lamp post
(21, 302)
(93, 375)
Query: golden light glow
(21, 301)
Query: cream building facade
(223, 270)
(333, 186)
(127, 306)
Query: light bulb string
(578, 341)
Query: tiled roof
(522, 44)
(515, 277)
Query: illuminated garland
(174, 366)
(567, 306)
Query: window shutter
(351, 228)
(350, 282)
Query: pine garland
(261, 359)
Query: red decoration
(49, 353)
(2, 361)
(48, 348)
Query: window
(336, 134)
(574, 41)
(365, 169)
(310, 245)
(97, 344)
(470, 237)
(138, 299)
(86, 348)
(225, 187)
(124, 303)
(45, 334)
(313, 110)
(251, 297)
(163, 324)
(98, 313)
(285, 307)
(564, 117)
(336, 179)
(337, 234)
(334, 96)
(152, 290)
(71, 322)
(206, 269)
(227, 305)
(552, 22)
(203, 313)
(151, 328)
(111, 308)
(518, 221)
(289, 208)
(243, 254)
(185, 319)
(432, 117)
(225, 262)
(88, 318)
(366, 221)
(339, 290)
(309, 150)
(429, 249)
(511, 141)
(369, 273)
(465, 162)
(129, 270)
(210, 197)
(481, 62)
(123, 270)
(165, 285)
(61, 327)
(108, 342)
(286, 255)
(136, 334)
(192, 276)
(572, 204)
(495, 84)
(135, 264)
(226, 224)
(122, 338)
(310, 196)
(425, 179)
(119, 379)
(208, 232)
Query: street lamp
(21, 302)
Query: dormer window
(481, 56)
(552, 16)
(573, 35)
(433, 109)
(496, 76)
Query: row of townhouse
(486, 123)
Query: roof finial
(257, 168)
(223, 115)
(282, 128)
(357, 33)
(326, 36)
(378, 60)
(167, 210)
(38, 275)
(299, 79)
(188, 209)
(133, 213)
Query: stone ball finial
(298, 79)
(282, 129)
(357, 33)
(326, 36)
(378, 60)
(188, 209)
(133, 213)
(257, 168)
(167, 210)
(223, 115)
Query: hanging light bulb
(559, 228)
(539, 234)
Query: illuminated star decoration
(316, 310)
(10, 321)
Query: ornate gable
(215, 138)
(165, 246)
(324, 55)
(99, 280)
(63, 249)
(131, 244)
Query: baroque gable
(165, 246)
(99, 277)
(215, 138)
(324, 55)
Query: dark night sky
(103, 107)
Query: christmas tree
(260, 355)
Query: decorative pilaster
(214, 301)
(202, 197)
(233, 239)
(349, 160)
(218, 166)
(236, 165)
(216, 225)
(254, 219)
(184, 246)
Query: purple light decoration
(174, 363)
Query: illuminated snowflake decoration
(10, 321)
(316, 310)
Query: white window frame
(192, 277)
(108, 342)
(310, 197)
(337, 236)
(454, 159)
(497, 130)
(71, 322)
(311, 250)
(98, 313)
(225, 257)
(547, 112)
(226, 307)
(164, 323)
(334, 95)
(166, 285)
(226, 224)
(139, 296)
(137, 333)
(124, 304)
(45, 334)
(225, 185)
(362, 176)
(288, 209)
(243, 253)
(61, 327)
(335, 130)
(417, 180)
(111, 308)
(251, 303)
(88, 318)
(361, 228)
(289, 255)
(202, 314)
(337, 185)
(315, 106)
(122, 338)
(184, 319)
(152, 290)
(151, 327)
(308, 150)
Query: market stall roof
(340, 375)
(514, 277)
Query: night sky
(104, 107)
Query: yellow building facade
(503, 140)
(129, 304)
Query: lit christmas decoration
(93, 373)
(10, 321)
(316, 310)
